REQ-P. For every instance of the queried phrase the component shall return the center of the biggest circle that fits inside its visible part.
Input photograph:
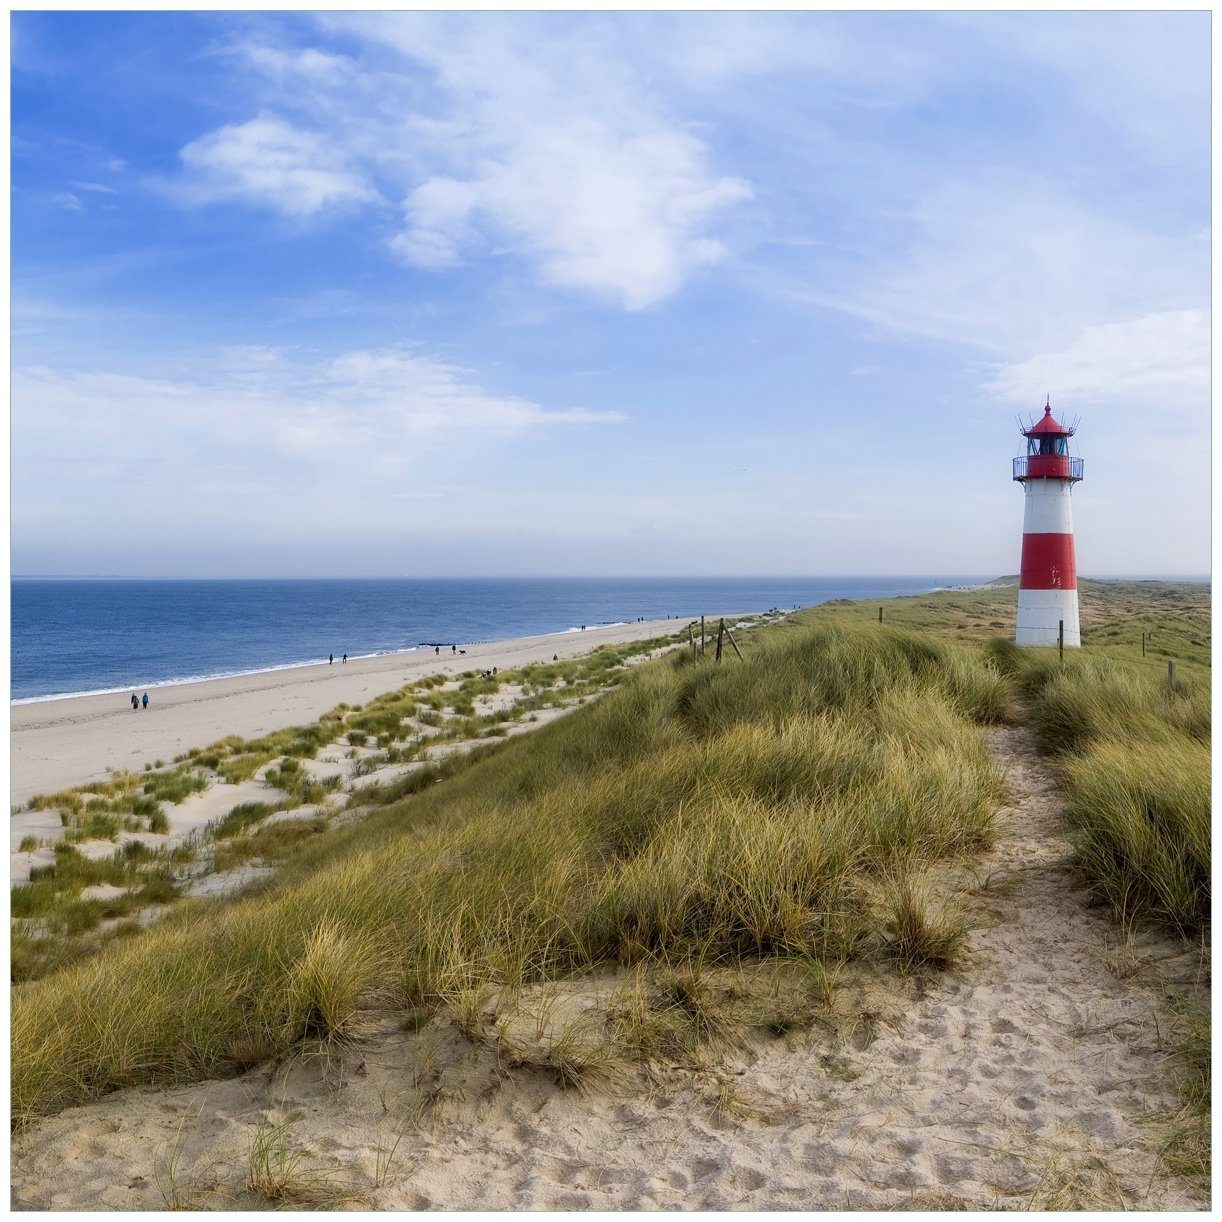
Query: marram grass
(719, 812)
(1134, 756)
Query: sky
(422, 294)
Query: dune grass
(127, 803)
(744, 810)
(1134, 757)
(1132, 750)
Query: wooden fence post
(1061, 638)
(730, 638)
(880, 615)
(1143, 644)
(1171, 674)
(702, 636)
(721, 628)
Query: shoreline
(61, 742)
(181, 680)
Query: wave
(180, 680)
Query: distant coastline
(72, 637)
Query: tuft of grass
(1186, 1145)
(1139, 820)
(920, 933)
(576, 1057)
(243, 816)
(174, 786)
(178, 1188)
(277, 1166)
(322, 985)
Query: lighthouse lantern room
(1048, 582)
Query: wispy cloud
(295, 62)
(1011, 267)
(373, 410)
(1157, 361)
(270, 163)
(498, 142)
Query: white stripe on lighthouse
(1047, 509)
(1039, 613)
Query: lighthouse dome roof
(1048, 426)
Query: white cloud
(519, 136)
(438, 222)
(1158, 360)
(356, 415)
(264, 448)
(308, 62)
(622, 215)
(269, 162)
(68, 201)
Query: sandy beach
(61, 743)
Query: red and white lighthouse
(1048, 580)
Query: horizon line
(1208, 576)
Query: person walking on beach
(345, 657)
(330, 659)
(135, 702)
(145, 701)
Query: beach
(57, 744)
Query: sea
(73, 637)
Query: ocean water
(70, 637)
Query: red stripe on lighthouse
(1048, 563)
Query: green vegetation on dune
(1174, 616)
(126, 804)
(787, 805)
(1133, 752)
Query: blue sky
(446, 294)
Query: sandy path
(1024, 1079)
(57, 744)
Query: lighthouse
(1048, 580)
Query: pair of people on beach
(136, 703)
(331, 659)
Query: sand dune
(1026, 1079)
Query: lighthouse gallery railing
(1074, 471)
